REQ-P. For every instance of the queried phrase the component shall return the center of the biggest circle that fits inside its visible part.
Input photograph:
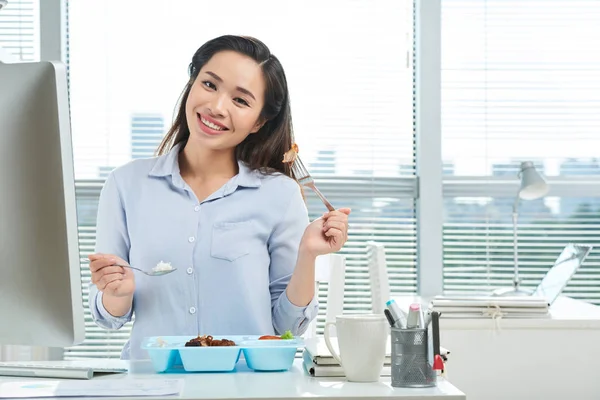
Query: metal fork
(303, 177)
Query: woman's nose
(217, 106)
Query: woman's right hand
(110, 279)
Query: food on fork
(290, 155)
(286, 336)
(162, 266)
(208, 341)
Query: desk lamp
(532, 187)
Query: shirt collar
(245, 178)
(168, 165)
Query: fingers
(107, 279)
(334, 232)
(99, 261)
(113, 286)
(337, 215)
(338, 220)
(97, 265)
(96, 256)
(340, 212)
(340, 225)
(97, 276)
(336, 238)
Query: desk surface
(246, 384)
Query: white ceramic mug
(362, 341)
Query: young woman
(219, 204)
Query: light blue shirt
(234, 252)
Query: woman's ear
(259, 124)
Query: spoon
(152, 272)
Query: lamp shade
(533, 186)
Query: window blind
(519, 83)
(20, 30)
(350, 72)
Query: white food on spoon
(162, 266)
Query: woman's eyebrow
(238, 88)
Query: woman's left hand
(326, 234)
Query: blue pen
(396, 313)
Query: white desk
(245, 384)
(530, 358)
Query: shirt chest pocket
(232, 240)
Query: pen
(396, 313)
(438, 362)
(415, 317)
(389, 317)
(427, 319)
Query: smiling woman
(237, 97)
(220, 182)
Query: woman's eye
(241, 101)
(209, 85)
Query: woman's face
(225, 101)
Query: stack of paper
(490, 307)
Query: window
(20, 31)
(519, 83)
(350, 72)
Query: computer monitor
(40, 278)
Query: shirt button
(197, 208)
(190, 270)
(192, 310)
(191, 239)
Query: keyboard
(77, 369)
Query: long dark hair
(264, 149)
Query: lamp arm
(516, 204)
(515, 216)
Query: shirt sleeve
(283, 248)
(111, 238)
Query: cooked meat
(208, 341)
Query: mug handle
(328, 342)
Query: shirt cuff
(114, 322)
(302, 315)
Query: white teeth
(211, 125)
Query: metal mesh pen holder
(411, 366)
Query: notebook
(331, 370)
(317, 351)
